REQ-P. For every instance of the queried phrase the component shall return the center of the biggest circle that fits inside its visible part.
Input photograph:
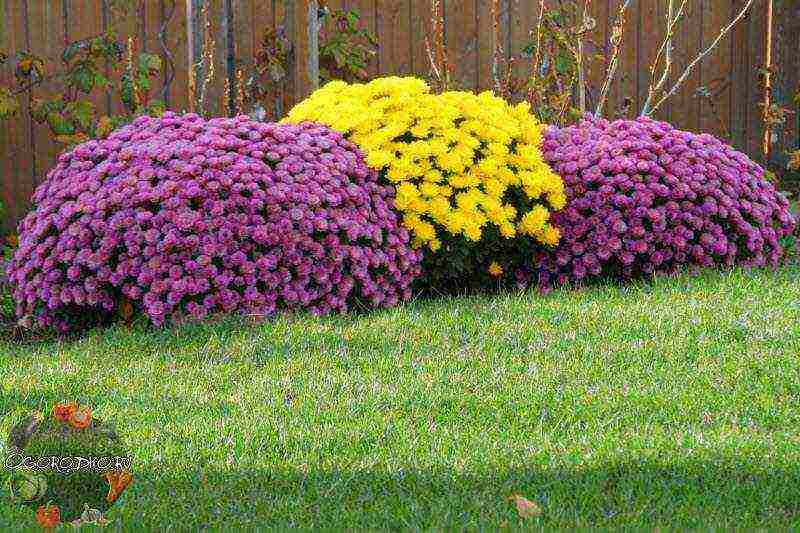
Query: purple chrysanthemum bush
(183, 217)
(646, 198)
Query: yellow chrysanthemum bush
(471, 183)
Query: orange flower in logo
(117, 482)
(81, 418)
(48, 516)
(63, 411)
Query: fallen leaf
(525, 507)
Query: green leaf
(100, 81)
(126, 91)
(144, 84)
(8, 104)
(149, 64)
(83, 77)
(104, 127)
(156, 108)
(59, 124)
(564, 64)
(82, 113)
(40, 108)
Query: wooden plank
(282, 20)
(785, 80)
(23, 153)
(210, 76)
(176, 36)
(333, 6)
(758, 52)
(263, 18)
(8, 170)
(627, 85)
(716, 72)
(793, 63)
(462, 42)
(595, 44)
(243, 30)
(367, 12)
(382, 58)
(167, 10)
(654, 15)
(306, 39)
(398, 33)
(45, 30)
(604, 15)
(420, 26)
(486, 44)
(127, 26)
(685, 111)
(740, 78)
(521, 20)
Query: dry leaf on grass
(525, 507)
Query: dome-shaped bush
(468, 168)
(183, 217)
(644, 197)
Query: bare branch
(698, 59)
(665, 48)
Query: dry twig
(682, 78)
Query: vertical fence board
(654, 13)
(24, 142)
(8, 177)
(785, 80)
(486, 44)
(282, 21)
(625, 101)
(741, 75)
(46, 28)
(368, 15)
(420, 27)
(604, 15)
(399, 16)
(462, 43)
(685, 111)
(794, 65)
(520, 24)
(716, 79)
(758, 50)
(380, 29)
(177, 43)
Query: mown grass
(672, 404)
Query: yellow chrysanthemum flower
(459, 160)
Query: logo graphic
(67, 467)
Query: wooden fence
(171, 28)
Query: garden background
(722, 96)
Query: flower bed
(645, 198)
(472, 185)
(182, 217)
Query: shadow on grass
(723, 493)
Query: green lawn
(675, 404)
